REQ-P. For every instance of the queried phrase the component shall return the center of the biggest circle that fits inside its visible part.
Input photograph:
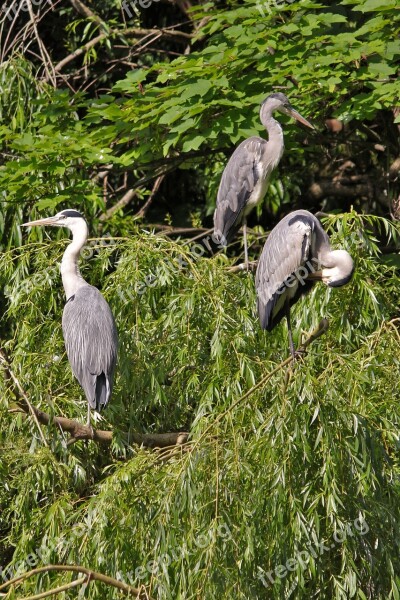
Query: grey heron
(297, 253)
(88, 325)
(245, 179)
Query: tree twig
(90, 575)
(130, 32)
(21, 392)
(58, 590)
(142, 212)
(242, 267)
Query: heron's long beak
(45, 221)
(315, 276)
(295, 115)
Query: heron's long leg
(291, 345)
(88, 415)
(246, 256)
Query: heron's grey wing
(283, 266)
(91, 341)
(239, 179)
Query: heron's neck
(275, 139)
(71, 277)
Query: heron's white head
(335, 269)
(280, 102)
(69, 218)
(342, 271)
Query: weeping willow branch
(77, 430)
(90, 575)
(58, 590)
(21, 393)
(320, 330)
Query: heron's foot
(89, 426)
(299, 353)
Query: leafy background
(135, 131)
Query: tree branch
(320, 330)
(136, 32)
(85, 11)
(21, 393)
(126, 589)
(142, 212)
(58, 590)
(78, 431)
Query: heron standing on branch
(245, 179)
(297, 253)
(90, 334)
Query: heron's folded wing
(238, 181)
(281, 270)
(91, 339)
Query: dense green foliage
(290, 491)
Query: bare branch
(126, 589)
(47, 63)
(135, 32)
(58, 590)
(78, 431)
(142, 212)
(85, 11)
(242, 267)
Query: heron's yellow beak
(315, 276)
(296, 115)
(45, 221)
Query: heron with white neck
(88, 325)
(297, 253)
(245, 179)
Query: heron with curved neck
(296, 255)
(245, 179)
(88, 325)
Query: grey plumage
(89, 329)
(241, 177)
(296, 254)
(91, 342)
(245, 179)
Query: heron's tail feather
(103, 391)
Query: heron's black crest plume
(278, 96)
(72, 213)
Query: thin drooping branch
(320, 330)
(47, 63)
(127, 590)
(78, 431)
(21, 392)
(124, 201)
(62, 588)
(142, 212)
(252, 266)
